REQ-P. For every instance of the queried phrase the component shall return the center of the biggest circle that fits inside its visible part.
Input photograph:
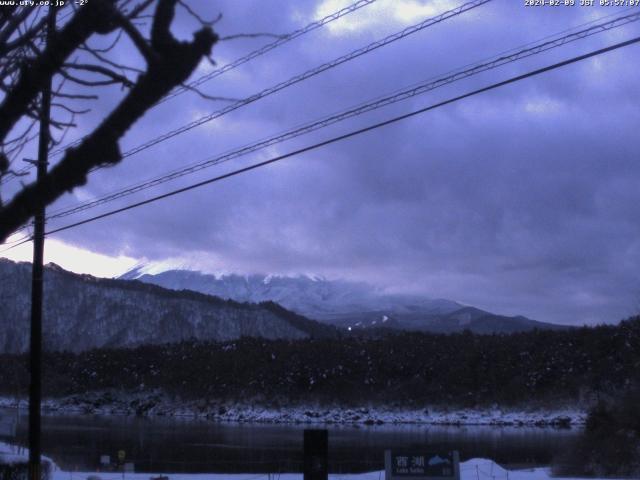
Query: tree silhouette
(69, 58)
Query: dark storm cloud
(522, 201)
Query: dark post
(35, 350)
(316, 455)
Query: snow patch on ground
(16, 455)
(474, 469)
(157, 404)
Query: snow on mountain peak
(146, 267)
(310, 295)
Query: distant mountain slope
(466, 318)
(310, 296)
(83, 312)
(348, 305)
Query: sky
(522, 201)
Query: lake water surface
(162, 444)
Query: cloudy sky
(523, 200)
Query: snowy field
(474, 469)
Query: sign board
(121, 456)
(105, 459)
(421, 465)
(316, 455)
(129, 467)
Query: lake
(164, 444)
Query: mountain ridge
(82, 312)
(351, 306)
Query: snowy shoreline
(157, 405)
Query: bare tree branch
(108, 48)
(106, 60)
(135, 13)
(99, 69)
(136, 37)
(69, 109)
(28, 36)
(251, 35)
(173, 63)
(12, 24)
(195, 15)
(75, 96)
(34, 76)
(208, 97)
(85, 82)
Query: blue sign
(422, 464)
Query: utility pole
(35, 351)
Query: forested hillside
(398, 369)
(82, 312)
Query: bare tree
(71, 60)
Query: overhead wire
(229, 66)
(309, 73)
(521, 54)
(291, 81)
(267, 48)
(16, 243)
(354, 133)
(306, 75)
(400, 95)
(250, 56)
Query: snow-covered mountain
(349, 305)
(307, 295)
(83, 312)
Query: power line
(16, 243)
(267, 48)
(354, 133)
(250, 56)
(400, 95)
(306, 75)
(10, 176)
(294, 80)
(339, 138)
(310, 73)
